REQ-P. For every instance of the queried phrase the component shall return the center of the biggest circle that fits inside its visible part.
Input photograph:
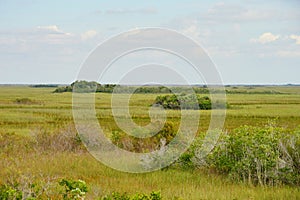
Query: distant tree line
(86, 87)
(92, 86)
(252, 92)
(44, 86)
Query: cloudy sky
(250, 41)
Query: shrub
(29, 190)
(265, 156)
(137, 196)
(63, 89)
(10, 193)
(189, 102)
(73, 189)
(21, 190)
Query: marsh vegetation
(256, 157)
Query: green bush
(137, 196)
(265, 156)
(73, 189)
(18, 191)
(10, 193)
(184, 102)
(86, 87)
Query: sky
(249, 41)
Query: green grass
(55, 109)
(172, 183)
(53, 113)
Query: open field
(50, 113)
(54, 110)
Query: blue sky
(250, 41)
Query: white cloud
(37, 40)
(266, 38)
(88, 35)
(51, 29)
(296, 37)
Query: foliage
(63, 89)
(265, 156)
(138, 196)
(10, 193)
(73, 189)
(152, 90)
(44, 86)
(92, 86)
(86, 87)
(106, 88)
(187, 160)
(20, 191)
(20, 121)
(184, 102)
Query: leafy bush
(63, 89)
(168, 132)
(26, 189)
(73, 189)
(86, 87)
(187, 160)
(137, 196)
(265, 156)
(20, 191)
(184, 102)
(10, 193)
(290, 155)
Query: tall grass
(38, 144)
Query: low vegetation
(44, 86)
(254, 155)
(138, 196)
(193, 102)
(86, 87)
(42, 157)
(69, 190)
(92, 86)
(27, 101)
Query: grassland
(51, 113)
